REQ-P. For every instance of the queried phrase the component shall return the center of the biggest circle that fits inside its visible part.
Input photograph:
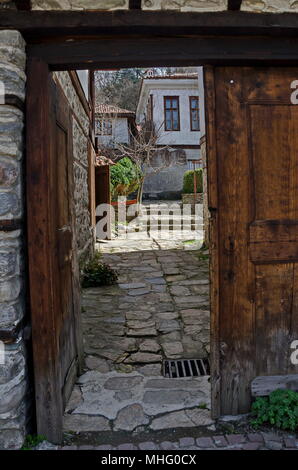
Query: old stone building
(16, 379)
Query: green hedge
(188, 180)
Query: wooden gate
(54, 275)
(252, 143)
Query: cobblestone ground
(159, 309)
(250, 441)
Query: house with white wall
(113, 125)
(172, 103)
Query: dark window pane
(168, 103)
(194, 103)
(168, 125)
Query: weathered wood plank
(282, 230)
(41, 247)
(236, 272)
(274, 252)
(38, 24)
(264, 385)
(212, 181)
(110, 52)
(53, 271)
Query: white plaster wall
(201, 100)
(120, 133)
(83, 76)
(185, 136)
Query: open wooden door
(53, 269)
(252, 151)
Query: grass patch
(96, 273)
(32, 441)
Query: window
(104, 127)
(172, 117)
(194, 113)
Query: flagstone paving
(268, 440)
(158, 309)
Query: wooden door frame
(75, 48)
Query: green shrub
(280, 409)
(188, 180)
(32, 441)
(125, 178)
(96, 273)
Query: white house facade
(113, 125)
(172, 103)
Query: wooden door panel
(256, 209)
(53, 271)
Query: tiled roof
(111, 109)
(101, 160)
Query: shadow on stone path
(159, 309)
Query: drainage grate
(186, 368)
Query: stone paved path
(249, 441)
(159, 309)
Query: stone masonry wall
(81, 125)
(13, 373)
(259, 6)
(79, 4)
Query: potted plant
(126, 179)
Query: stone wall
(81, 125)
(185, 5)
(13, 373)
(258, 6)
(79, 4)
(270, 6)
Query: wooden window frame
(104, 134)
(149, 116)
(197, 98)
(171, 109)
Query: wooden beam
(11, 334)
(9, 225)
(23, 4)
(263, 385)
(38, 25)
(234, 5)
(105, 53)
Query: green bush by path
(96, 273)
(188, 181)
(280, 409)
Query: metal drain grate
(175, 369)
